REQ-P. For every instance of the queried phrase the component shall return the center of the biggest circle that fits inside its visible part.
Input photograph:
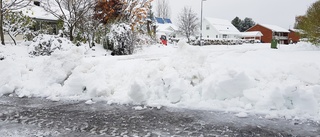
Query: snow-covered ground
(240, 78)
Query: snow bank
(244, 79)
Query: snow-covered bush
(45, 45)
(144, 39)
(122, 39)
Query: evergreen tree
(246, 24)
(237, 22)
(243, 25)
(310, 23)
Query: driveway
(32, 117)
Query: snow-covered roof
(296, 30)
(166, 28)
(223, 26)
(251, 34)
(38, 12)
(274, 28)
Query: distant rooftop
(251, 34)
(275, 28)
(163, 20)
(223, 26)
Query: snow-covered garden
(244, 79)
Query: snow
(89, 102)
(275, 28)
(38, 13)
(242, 115)
(251, 34)
(243, 79)
(166, 28)
(139, 107)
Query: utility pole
(1, 24)
(201, 41)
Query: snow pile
(243, 79)
(45, 45)
(40, 78)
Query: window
(208, 27)
(217, 36)
(225, 36)
(37, 3)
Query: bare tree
(188, 22)
(90, 26)
(163, 9)
(70, 11)
(9, 5)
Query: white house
(40, 15)
(213, 28)
(165, 27)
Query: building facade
(294, 36)
(214, 28)
(271, 32)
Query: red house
(271, 32)
(294, 36)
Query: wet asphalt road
(33, 117)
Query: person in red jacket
(163, 40)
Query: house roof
(165, 25)
(251, 34)
(274, 28)
(162, 20)
(167, 20)
(295, 30)
(38, 12)
(223, 26)
(159, 20)
(166, 28)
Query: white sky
(275, 12)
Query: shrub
(45, 45)
(122, 38)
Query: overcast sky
(275, 12)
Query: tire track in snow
(118, 120)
